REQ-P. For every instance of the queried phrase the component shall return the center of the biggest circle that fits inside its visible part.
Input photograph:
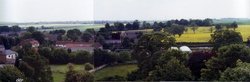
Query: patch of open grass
(121, 70)
(59, 71)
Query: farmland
(203, 34)
(81, 27)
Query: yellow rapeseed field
(202, 34)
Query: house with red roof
(7, 56)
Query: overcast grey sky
(81, 10)
(46, 10)
(170, 9)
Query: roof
(185, 49)
(7, 52)
(174, 48)
(71, 44)
(97, 45)
(31, 41)
(113, 41)
(1, 46)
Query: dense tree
(156, 26)
(81, 77)
(225, 37)
(124, 56)
(82, 57)
(157, 67)
(46, 52)
(78, 76)
(102, 57)
(146, 48)
(86, 36)
(88, 66)
(59, 56)
(227, 57)
(10, 74)
(218, 27)
(59, 32)
(107, 26)
(74, 34)
(136, 25)
(184, 22)
(173, 70)
(176, 29)
(248, 41)
(240, 73)
(26, 35)
(100, 39)
(119, 26)
(127, 43)
(27, 70)
(234, 25)
(31, 29)
(59, 37)
(4, 29)
(146, 25)
(162, 25)
(105, 33)
(114, 78)
(39, 36)
(194, 27)
(15, 28)
(207, 22)
(154, 42)
(34, 62)
(196, 61)
(9, 42)
(129, 26)
(91, 31)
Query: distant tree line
(119, 26)
(233, 26)
(10, 29)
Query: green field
(59, 71)
(203, 34)
(80, 27)
(121, 70)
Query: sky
(46, 10)
(85, 10)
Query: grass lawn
(203, 34)
(59, 71)
(121, 70)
